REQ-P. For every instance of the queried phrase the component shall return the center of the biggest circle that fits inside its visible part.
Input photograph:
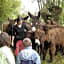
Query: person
(19, 32)
(6, 54)
(28, 53)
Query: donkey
(35, 22)
(50, 38)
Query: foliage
(62, 14)
(52, 9)
(8, 8)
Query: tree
(50, 9)
(8, 8)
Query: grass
(59, 59)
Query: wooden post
(1, 26)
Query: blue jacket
(28, 54)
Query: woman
(18, 34)
(6, 55)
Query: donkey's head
(35, 19)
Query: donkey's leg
(52, 52)
(44, 53)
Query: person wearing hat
(28, 54)
(18, 34)
(6, 54)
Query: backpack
(27, 62)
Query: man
(28, 53)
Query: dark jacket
(19, 33)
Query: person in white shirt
(6, 54)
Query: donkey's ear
(8, 19)
(30, 15)
(38, 14)
(25, 18)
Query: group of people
(22, 47)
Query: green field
(59, 59)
